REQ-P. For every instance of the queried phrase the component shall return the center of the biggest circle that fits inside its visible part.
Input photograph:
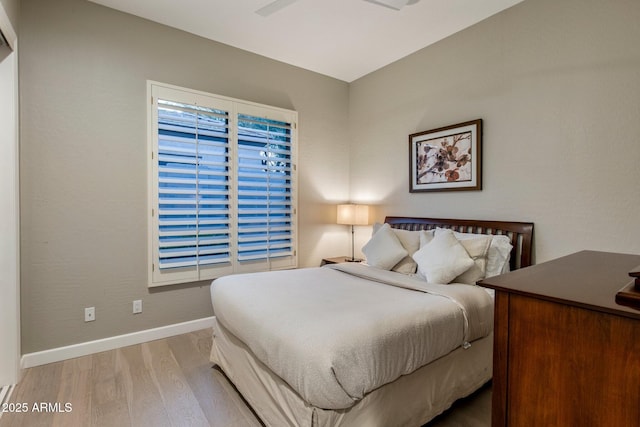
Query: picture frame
(447, 158)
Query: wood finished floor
(168, 382)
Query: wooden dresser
(565, 354)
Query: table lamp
(351, 214)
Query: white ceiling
(345, 39)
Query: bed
(375, 345)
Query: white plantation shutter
(222, 186)
(265, 202)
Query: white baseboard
(82, 349)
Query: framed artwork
(447, 158)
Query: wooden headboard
(520, 233)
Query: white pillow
(478, 250)
(442, 259)
(499, 251)
(499, 263)
(410, 240)
(426, 236)
(384, 249)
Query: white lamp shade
(351, 214)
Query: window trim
(234, 107)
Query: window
(222, 186)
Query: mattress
(334, 335)
(410, 400)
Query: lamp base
(352, 260)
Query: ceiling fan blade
(391, 4)
(274, 6)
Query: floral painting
(446, 158)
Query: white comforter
(338, 332)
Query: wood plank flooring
(168, 382)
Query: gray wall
(557, 84)
(83, 71)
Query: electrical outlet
(89, 314)
(137, 306)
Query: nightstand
(335, 260)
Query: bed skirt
(411, 400)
